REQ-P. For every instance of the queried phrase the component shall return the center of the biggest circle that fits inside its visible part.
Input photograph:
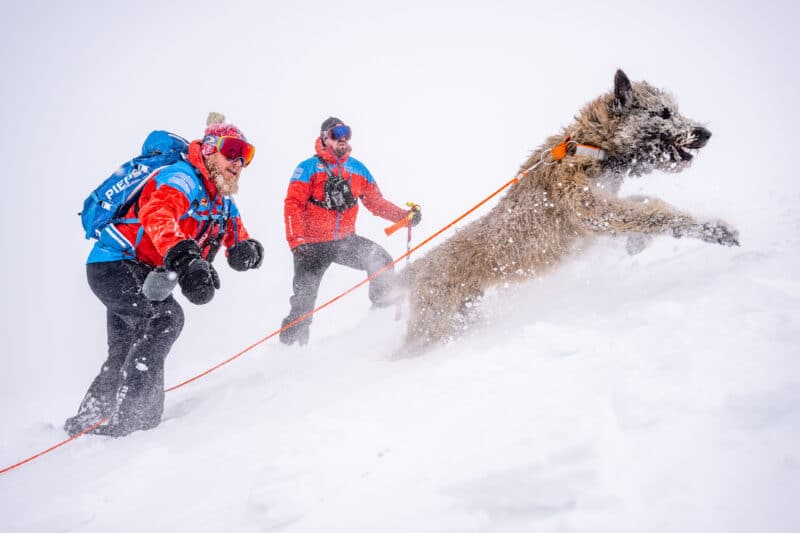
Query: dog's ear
(622, 91)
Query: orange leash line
(287, 326)
(345, 293)
(515, 179)
(51, 448)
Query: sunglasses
(340, 132)
(233, 148)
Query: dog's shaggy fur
(558, 203)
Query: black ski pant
(310, 263)
(130, 386)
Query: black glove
(196, 276)
(245, 255)
(180, 256)
(199, 282)
(416, 218)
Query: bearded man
(320, 213)
(182, 217)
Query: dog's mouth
(659, 149)
(698, 138)
(681, 155)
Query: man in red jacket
(320, 212)
(182, 217)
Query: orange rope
(287, 326)
(51, 448)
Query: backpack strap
(206, 222)
(134, 201)
(329, 172)
(326, 166)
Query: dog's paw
(718, 232)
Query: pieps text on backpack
(114, 196)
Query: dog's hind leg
(468, 312)
(440, 314)
(428, 324)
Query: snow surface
(657, 392)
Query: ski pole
(414, 209)
(408, 244)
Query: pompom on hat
(216, 128)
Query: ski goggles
(340, 132)
(232, 148)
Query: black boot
(139, 400)
(98, 402)
(298, 333)
(78, 423)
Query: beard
(225, 186)
(338, 149)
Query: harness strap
(208, 223)
(205, 236)
(561, 150)
(329, 172)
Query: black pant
(310, 265)
(130, 386)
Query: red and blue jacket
(179, 202)
(307, 222)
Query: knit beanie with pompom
(216, 128)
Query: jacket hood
(196, 160)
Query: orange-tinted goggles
(233, 148)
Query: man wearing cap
(320, 212)
(182, 217)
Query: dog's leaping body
(563, 196)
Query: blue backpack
(120, 191)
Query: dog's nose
(701, 137)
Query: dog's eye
(664, 113)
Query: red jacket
(164, 211)
(310, 223)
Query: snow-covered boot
(298, 333)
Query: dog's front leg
(605, 214)
(715, 232)
(684, 225)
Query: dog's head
(642, 130)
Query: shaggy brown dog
(566, 193)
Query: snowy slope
(619, 394)
(658, 392)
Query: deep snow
(657, 392)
